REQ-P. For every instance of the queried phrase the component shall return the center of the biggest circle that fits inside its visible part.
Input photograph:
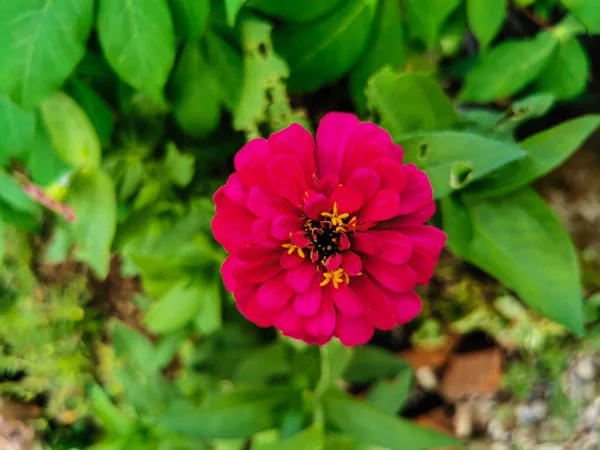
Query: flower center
(323, 241)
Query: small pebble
(499, 446)
(463, 420)
(586, 369)
(426, 378)
(497, 431)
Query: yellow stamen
(336, 277)
(337, 219)
(292, 248)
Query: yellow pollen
(337, 219)
(292, 248)
(336, 277)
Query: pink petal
(333, 262)
(344, 242)
(315, 205)
(235, 190)
(346, 300)
(377, 309)
(351, 263)
(283, 226)
(397, 248)
(332, 135)
(418, 192)
(290, 261)
(366, 143)
(426, 237)
(256, 149)
(258, 255)
(249, 307)
(423, 263)
(366, 243)
(256, 273)
(353, 331)
(286, 177)
(328, 184)
(261, 234)
(297, 142)
(274, 293)
(407, 306)
(232, 230)
(323, 323)
(229, 265)
(395, 278)
(307, 303)
(391, 174)
(385, 205)
(416, 218)
(365, 181)
(265, 202)
(288, 321)
(299, 279)
(348, 199)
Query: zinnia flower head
(329, 239)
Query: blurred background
(120, 118)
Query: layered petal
(332, 135)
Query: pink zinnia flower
(329, 239)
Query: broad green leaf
(138, 41)
(179, 166)
(263, 72)
(16, 128)
(95, 107)
(389, 395)
(261, 364)
(386, 47)
(567, 73)
(232, 8)
(321, 52)
(13, 195)
(44, 163)
(485, 19)
(71, 131)
(114, 421)
(176, 309)
(41, 42)
(587, 11)
(195, 94)
(21, 219)
(137, 349)
(342, 442)
(190, 18)
(517, 239)
(453, 159)
(427, 17)
(1, 240)
(235, 416)
(296, 11)
(228, 68)
(508, 68)
(370, 363)
(365, 423)
(544, 151)
(210, 318)
(409, 102)
(92, 196)
(310, 439)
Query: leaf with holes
(41, 42)
(454, 159)
(138, 41)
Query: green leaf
(335, 358)
(96, 108)
(138, 41)
(176, 309)
(368, 424)
(190, 18)
(92, 196)
(310, 439)
(386, 47)
(409, 102)
(228, 68)
(41, 42)
(321, 52)
(44, 163)
(389, 396)
(508, 68)
(262, 364)
(544, 151)
(16, 128)
(179, 166)
(12, 194)
(210, 318)
(567, 73)
(114, 421)
(71, 131)
(454, 159)
(297, 11)
(232, 8)
(195, 94)
(485, 19)
(263, 72)
(587, 11)
(1, 240)
(517, 239)
(370, 363)
(428, 17)
(136, 348)
(234, 416)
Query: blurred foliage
(129, 113)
